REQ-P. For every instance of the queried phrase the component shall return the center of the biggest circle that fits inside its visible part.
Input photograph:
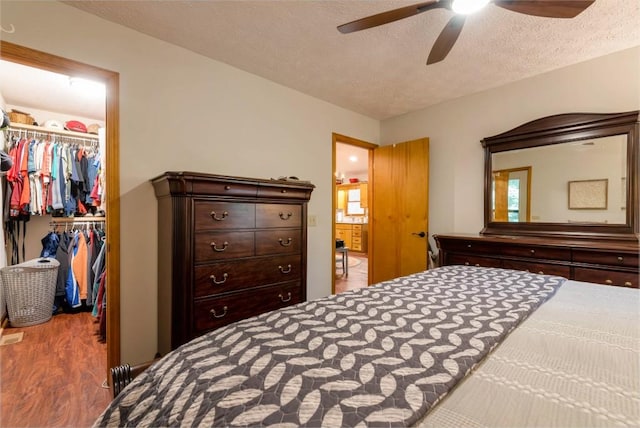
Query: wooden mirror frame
(559, 129)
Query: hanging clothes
(62, 256)
(50, 245)
(81, 254)
(79, 264)
(49, 177)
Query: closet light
(90, 86)
(466, 7)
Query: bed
(449, 347)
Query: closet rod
(66, 220)
(62, 138)
(17, 127)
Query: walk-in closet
(53, 281)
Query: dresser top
(539, 241)
(197, 183)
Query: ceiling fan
(462, 8)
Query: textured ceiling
(379, 72)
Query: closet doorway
(352, 160)
(41, 60)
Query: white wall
(603, 85)
(181, 111)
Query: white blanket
(574, 363)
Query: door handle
(420, 234)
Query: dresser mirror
(570, 175)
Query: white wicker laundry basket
(30, 289)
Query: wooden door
(501, 183)
(399, 210)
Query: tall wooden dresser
(228, 248)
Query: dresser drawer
(225, 189)
(469, 247)
(605, 258)
(537, 252)
(235, 275)
(280, 193)
(224, 215)
(357, 233)
(278, 215)
(280, 241)
(541, 268)
(608, 277)
(216, 312)
(210, 246)
(462, 259)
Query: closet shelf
(62, 132)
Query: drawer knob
(284, 190)
(620, 259)
(222, 281)
(283, 270)
(283, 243)
(627, 284)
(283, 298)
(227, 187)
(608, 281)
(216, 218)
(468, 245)
(215, 247)
(224, 312)
(286, 216)
(533, 251)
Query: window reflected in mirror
(531, 184)
(511, 189)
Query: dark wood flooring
(358, 274)
(54, 377)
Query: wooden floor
(358, 274)
(54, 377)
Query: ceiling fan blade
(391, 16)
(546, 8)
(446, 39)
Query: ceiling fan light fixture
(467, 7)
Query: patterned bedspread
(380, 356)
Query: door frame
(111, 79)
(343, 139)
